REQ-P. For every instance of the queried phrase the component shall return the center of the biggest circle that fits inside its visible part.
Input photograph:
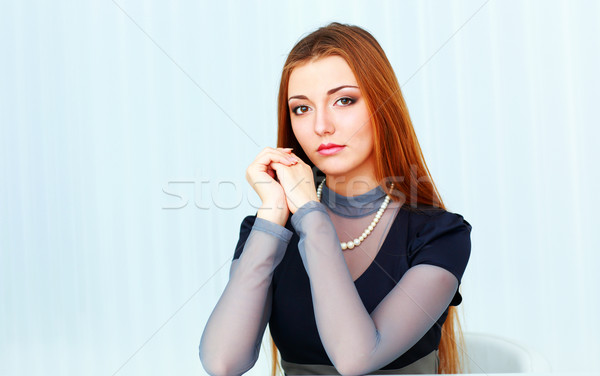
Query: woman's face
(326, 106)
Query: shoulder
(439, 237)
(433, 230)
(427, 218)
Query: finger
(295, 156)
(278, 156)
(269, 150)
(278, 167)
(284, 150)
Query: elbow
(218, 370)
(350, 369)
(213, 367)
(349, 366)
(357, 363)
(212, 371)
(216, 365)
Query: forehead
(321, 74)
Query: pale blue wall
(104, 107)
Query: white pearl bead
(352, 243)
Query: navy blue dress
(423, 235)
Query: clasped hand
(280, 177)
(297, 182)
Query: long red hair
(399, 158)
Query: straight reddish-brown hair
(399, 158)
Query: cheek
(295, 129)
(365, 135)
(363, 130)
(359, 120)
(300, 135)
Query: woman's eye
(345, 101)
(300, 110)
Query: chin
(332, 169)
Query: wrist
(273, 213)
(309, 207)
(306, 204)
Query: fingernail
(292, 159)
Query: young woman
(352, 259)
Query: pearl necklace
(353, 243)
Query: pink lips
(330, 150)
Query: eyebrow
(328, 93)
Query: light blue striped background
(126, 128)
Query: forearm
(230, 341)
(346, 329)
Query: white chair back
(487, 353)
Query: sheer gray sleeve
(356, 342)
(230, 343)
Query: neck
(352, 206)
(352, 187)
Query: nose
(324, 122)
